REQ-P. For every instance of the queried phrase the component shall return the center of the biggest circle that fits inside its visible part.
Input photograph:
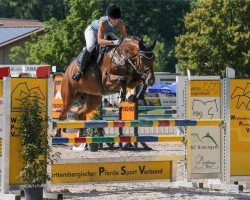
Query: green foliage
(159, 50)
(97, 115)
(217, 37)
(158, 19)
(51, 48)
(41, 10)
(35, 152)
(161, 20)
(64, 39)
(18, 54)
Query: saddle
(96, 58)
(97, 52)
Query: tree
(159, 50)
(217, 37)
(157, 19)
(41, 10)
(161, 20)
(6, 10)
(64, 39)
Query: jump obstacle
(118, 139)
(110, 112)
(138, 123)
(142, 108)
(142, 115)
(164, 166)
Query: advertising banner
(240, 127)
(101, 172)
(128, 111)
(206, 141)
(21, 90)
(1, 114)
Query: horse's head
(133, 61)
(139, 58)
(146, 59)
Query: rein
(142, 73)
(142, 53)
(136, 66)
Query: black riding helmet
(113, 11)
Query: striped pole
(157, 107)
(118, 139)
(142, 108)
(143, 115)
(110, 114)
(109, 109)
(138, 123)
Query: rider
(96, 31)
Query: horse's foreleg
(141, 91)
(122, 95)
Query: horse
(127, 65)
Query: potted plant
(92, 132)
(35, 151)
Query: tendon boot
(142, 92)
(83, 65)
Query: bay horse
(125, 66)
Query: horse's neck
(130, 46)
(126, 50)
(114, 60)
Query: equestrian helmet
(113, 11)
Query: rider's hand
(115, 42)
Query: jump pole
(188, 131)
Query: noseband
(133, 63)
(137, 64)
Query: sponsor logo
(242, 96)
(22, 93)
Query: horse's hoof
(58, 133)
(117, 104)
(131, 98)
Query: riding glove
(115, 42)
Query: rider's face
(113, 21)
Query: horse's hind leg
(91, 102)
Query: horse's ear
(152, 46)
(141, 45)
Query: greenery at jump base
(205, 36)
(36, 151)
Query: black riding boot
(83, 64)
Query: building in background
(15, 32)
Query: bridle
(134, 63)
(137, 64)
